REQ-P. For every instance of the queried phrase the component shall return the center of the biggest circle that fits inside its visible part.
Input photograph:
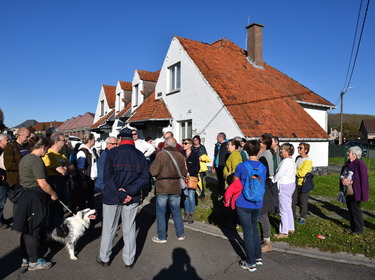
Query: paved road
(200, 256)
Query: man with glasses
(110, 143)
(58, 169)
(3, 184)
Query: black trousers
(29, 246)
(220, 178)
(356, 218)
(302, 200)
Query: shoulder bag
(181, 180)
(308, 183)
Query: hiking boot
(4, 225)
(157, 240)
(266, 246)
(245, 265)
(186, 217)
(191, 219)
(302, 221)
(39, 265)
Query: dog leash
(66, 207)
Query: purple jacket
(360, 179)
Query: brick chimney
(255, 44)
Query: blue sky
(56, 54)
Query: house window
(136, 91)
(101, 107)
(118, 99)
(186, 129)
(175, 77)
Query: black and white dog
(72, 229)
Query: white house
(203, 89)
(219, 87)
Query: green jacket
(233, 160)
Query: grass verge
(326, 217)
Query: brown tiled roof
(123, 111)
(79, 121)
(126, 85)
(151, 109)
(110, 94)
(369, 125)
(260, 100)
(148, 76)
(103, 119)
(41, 126)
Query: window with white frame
(101, 107)
(175, 77)
(186, 129)
(136, 91)
(118, 105)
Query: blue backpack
(254, 187)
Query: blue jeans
(174, 205)
(189, 202)
(3, 198)
(249, 220)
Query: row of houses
(206, 88)
(75, 126)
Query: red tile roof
(41, 126)
(110, 94)
(126, 85)
(148, 76)
(79, 121)
(260, 100)
(123, 111)
(103, 119)
(151, 109)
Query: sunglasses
(113, 144)
(300, 148)
(186, 143)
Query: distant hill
(351, 124)
(351, 119)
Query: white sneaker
(181, 238)
(157, 240)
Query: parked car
(74, 140)
(359, 144)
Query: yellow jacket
(233, 160)
(304, 166)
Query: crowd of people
(39, 168)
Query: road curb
(282, 247)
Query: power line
(359, 42)
(354, 40)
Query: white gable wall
(137, 98)
(119, 104)
(320, 116)
(195, 101)
(98, 114)
(318, 152)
